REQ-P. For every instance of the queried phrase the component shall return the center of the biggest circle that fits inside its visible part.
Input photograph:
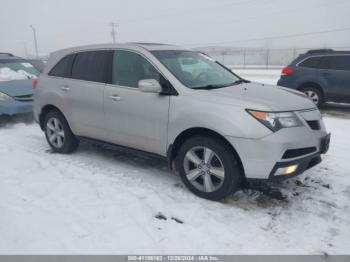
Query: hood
(16, 87)
(265, 97)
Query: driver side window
(129, 68)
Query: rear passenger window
(129, 68)
(339, 62)
(95, 66)
(312, 62)
(64, 67)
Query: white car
(216, 129)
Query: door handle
(115, 97)
(65, 88)
(324, 74)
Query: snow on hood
(7, 74)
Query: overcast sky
(66, 23)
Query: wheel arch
(173, 149)
(313, 85)
(44, 111)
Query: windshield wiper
(209, 87)
(241, 81)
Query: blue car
(323, 75)
(17, 77)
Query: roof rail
(145, 43)
(8, 54)
(319, 51)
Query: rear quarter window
(64, 67)
(95, 66)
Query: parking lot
(102, 197)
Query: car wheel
(314, 94)
(208, 168)
(58, 133)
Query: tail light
(287, 71)
(34, 83)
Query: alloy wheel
(313, 95)
(55, 132)
(204, 169)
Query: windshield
(16, 70)
(196, 70)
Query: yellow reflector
(259, 115)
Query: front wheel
(208, 168)
(58, 133)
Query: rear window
(95, 66)
(16, 70)
(311, 62)
(64, 67)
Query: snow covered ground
(103, 200)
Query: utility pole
(113, 30)
(35, 41)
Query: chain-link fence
(260, 58)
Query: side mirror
(149, 86)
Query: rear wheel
(58, 133)
(208, 168)
(314, 94)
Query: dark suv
(323, 75)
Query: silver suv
(216, 129)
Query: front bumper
(15, 107)
(301, 146)
(303, 163)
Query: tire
(219, 177)
(315, 95)
(55, 124)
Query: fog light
(286, 170)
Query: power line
(189, 11)
(211, 23)
(235, 21)
(210, 8)
(275, 37)
(229, 50)
(279, 12)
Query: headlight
(4, 97)
(276, 120)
